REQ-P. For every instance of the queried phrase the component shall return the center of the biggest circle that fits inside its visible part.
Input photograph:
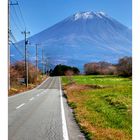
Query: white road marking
(31, 99)
(29, 90)
(50, 84)
(42, 83)
(38, 95)
(41, 93)
(64, 125)
(20, 106)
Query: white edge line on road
(64, 125)
(20, 106)
(29, 90)
(43, 82)
(31, 99)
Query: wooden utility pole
(9, 4)
(36, 61)
(8, 60)
(47, 66)
(26, 62)
(42, 61)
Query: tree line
(122, 68)
(61, 70)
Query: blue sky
(41, 14)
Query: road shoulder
(73, 128)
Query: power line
(17, 17)
(21, 14)
(10, 3)
(12, 18)
(14, 59)
(13, 37)
(17, 49)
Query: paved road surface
(42, 114)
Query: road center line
(50, 84)
(20, 106)
(64, 125)
(31, 99)
(23, 93)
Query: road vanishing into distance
(42, 114)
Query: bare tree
(69, 74)
(99, 68)
(124, 67)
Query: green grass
(105, 113)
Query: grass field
(102, 105)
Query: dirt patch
(76, 87)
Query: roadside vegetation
(102, 105)
(17, 77)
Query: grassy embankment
(102, 105)
(18, 88)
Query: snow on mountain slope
(85, 37)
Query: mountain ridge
(85, 37)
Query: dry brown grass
(18, 88)
(76, 94)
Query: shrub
(17, 72)
(124, 67)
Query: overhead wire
(17, 48)
(18, 19)
(21, 13)
(15, 60)
(12, 19)
(15, 45)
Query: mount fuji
(84, 37)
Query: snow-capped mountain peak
(84, 37)
(101, 14)
(83, 15)
(88, 15)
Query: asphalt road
(42, 114)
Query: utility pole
(26, 62)
(47, 65)
(9, 4)
(42, 61)
(36, 61)
(8, 45)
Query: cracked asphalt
(38, 114)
